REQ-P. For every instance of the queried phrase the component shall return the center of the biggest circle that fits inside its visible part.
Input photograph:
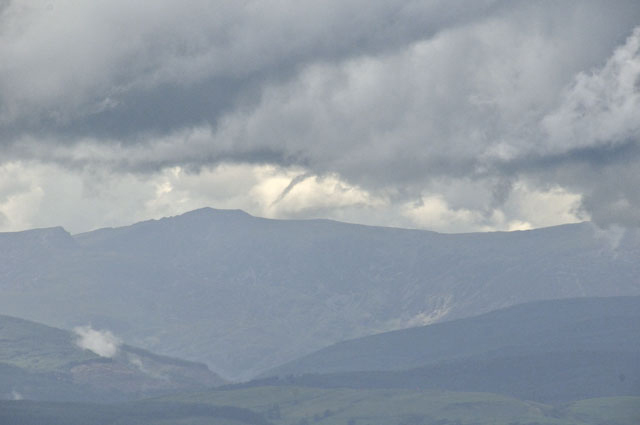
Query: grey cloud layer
(121, 68)
(406, 97)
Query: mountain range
(245, 294)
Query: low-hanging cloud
(100, 342)
(432, 111)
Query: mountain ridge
(547, 351)
(198, 285)
(602, 323)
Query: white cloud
(102, 343)
(601, 106)
(44, 195)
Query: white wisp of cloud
(100, 342)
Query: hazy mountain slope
(548, 351)
(550, 377)
(572, 325)
(245, 294)
(44, 363)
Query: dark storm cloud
(393, 96)
(607, 177)
(243, 47)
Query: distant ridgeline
(549, 351)
(245, 294)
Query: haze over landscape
(340, 212)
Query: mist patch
(101, 342)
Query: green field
(288, 405)
(610, 411)
(299, 405)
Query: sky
(453, 116)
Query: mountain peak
(210, 212)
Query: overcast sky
(447, 115)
